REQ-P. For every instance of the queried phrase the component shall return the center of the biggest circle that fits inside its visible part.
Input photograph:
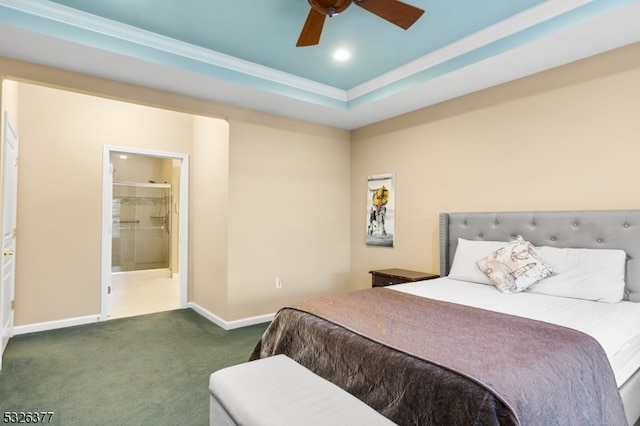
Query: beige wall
(288, 213)
(208, 216)
(568, 138)
(9, 90)
(58, 277)
(291, 196)
(62, 134)
(276, 201)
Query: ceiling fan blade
(312, 29)
(398, 13)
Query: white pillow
(590, 274)
(515, 267)
(468, 252)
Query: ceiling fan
(394, 11)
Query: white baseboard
(53, 325)
(71, 322)
(230, 325)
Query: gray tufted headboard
(613, 229)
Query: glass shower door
(141, 232)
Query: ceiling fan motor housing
(329, 7)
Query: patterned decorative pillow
(515, 266)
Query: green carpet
(147, 370)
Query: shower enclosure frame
(134, 225)
(183, 220)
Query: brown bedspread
(420, 361)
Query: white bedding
(616, 326)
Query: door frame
(183, 219)
(8, 201)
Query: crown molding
(68, 16)
(581, 28)
(501, 30)
(95, 24)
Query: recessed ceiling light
(123, 157)
(341, 55)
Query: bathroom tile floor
(146, 296)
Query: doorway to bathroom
(143, 202)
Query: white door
(9, 209)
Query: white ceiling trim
(614, 29)
(86, 21)
(65, 15)
(503, 29)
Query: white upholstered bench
(280, 392)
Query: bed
(458, 351)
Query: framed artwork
(380, 209)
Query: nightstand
(384, 277)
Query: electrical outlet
(278, 281)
